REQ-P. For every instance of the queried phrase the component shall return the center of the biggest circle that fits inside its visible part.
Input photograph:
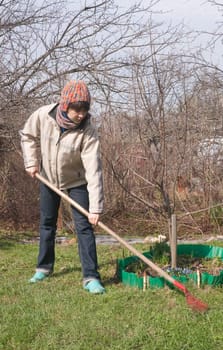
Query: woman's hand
(93, 218)
(32, 171)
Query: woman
(70, 160)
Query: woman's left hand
(93, 218)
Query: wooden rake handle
(110, 232)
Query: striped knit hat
(72, 92)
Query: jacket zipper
(57, 151)
(57, 148)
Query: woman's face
(76, 116)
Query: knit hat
(74, 91)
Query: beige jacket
(69, 159)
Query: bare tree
(174, 105)
(42, 44)
(148, 94)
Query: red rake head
(194, 303)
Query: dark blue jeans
(49, 206)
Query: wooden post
(173, 241)
(198, 278)
(170, 229)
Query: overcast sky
(198, 14)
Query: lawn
(58, 314)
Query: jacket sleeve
(90, 155)
(30, 140)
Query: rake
(192, 302)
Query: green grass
(58, 314)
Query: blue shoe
(38, 276)
(94, 287)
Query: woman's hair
(79, 105)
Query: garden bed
(202, 264)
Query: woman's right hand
(32, 171)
